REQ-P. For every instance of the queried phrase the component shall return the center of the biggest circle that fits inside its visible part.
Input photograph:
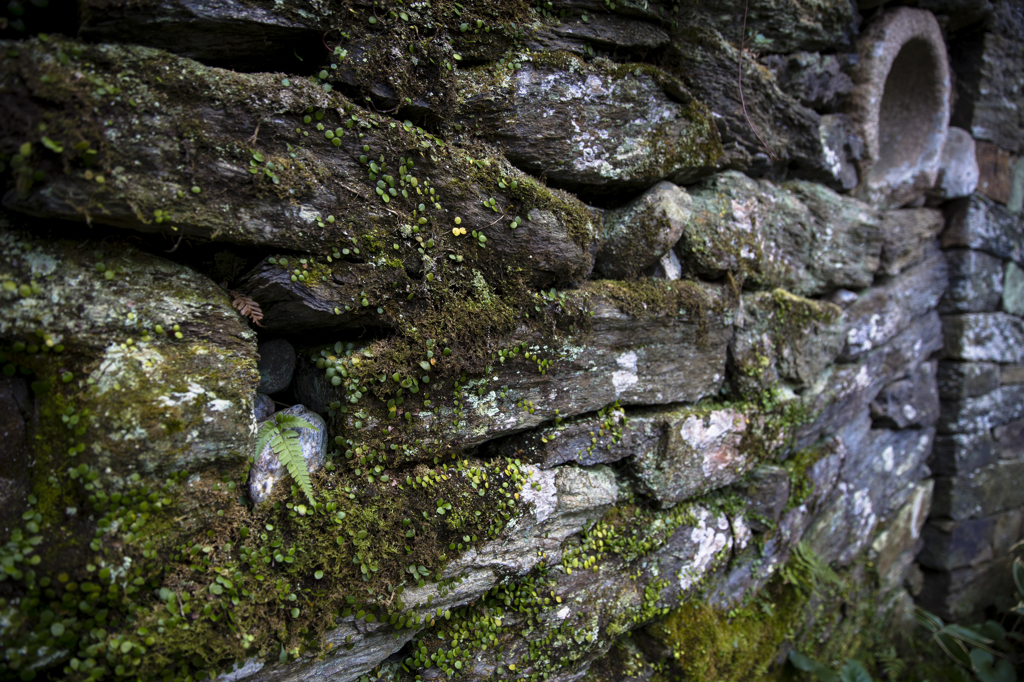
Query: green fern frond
(286, 445)
(288, 449)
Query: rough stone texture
(15, 418)
(223, 108)
(161, 403)
(702, 451)
(913, 401)
(989, 102)
(1011, 374)
(276, 365)
(966, 379)
(783, 337)
(907, 233)
(1013, 290)
(1010, 439)
(843, 147)
(669, 356)
(798, 236)
(1002, 405)
(874, 318)
(901, 103)
(975, 282)
(993, 337)
(708, 66)
(267, 470)
(783, 26)
(640, 233)
(843, 392)
(993, 172)
(961, 454)
(766, 490)
(592, 126)
(815, 80)
(895, 547)
(667, 268)
(963, 593)
(604, 31)
(958, 169)
(950, 545)
(1015, 204)
(990, 490)
(979, 223)
(263, 407)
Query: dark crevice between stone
(20, 19)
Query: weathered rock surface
(913, 401)
(662, 356)
(897, 546)
(907, 233)
(965, 379)
(802, 237)
(259, 189)
(1002, 405)
(708, 65)
(991, 337)
(844, 391)
(980, 223)
(875, 318)
(950, 545)
(157, 355)
(783, 26)
(276, 365)
(267, 470)
(263, 407)
(975, 282)
(961, 454)
(783, 337)
(816, 80)
(592, 126)
(990, 101)
(605, 31)
(958, 168)
(1013, 290)
(992, 489)
(640, 233)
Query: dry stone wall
(518, 341)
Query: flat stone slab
(977, 222)
(990, 490)
(975, 282)
(985, 337)
(906, 234)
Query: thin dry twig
(743, 104)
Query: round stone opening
(901, 105)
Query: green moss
(727, 646)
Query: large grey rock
(884, 311)
(975, 282)
(640, 233)
(263, 407)
(766, 492)
(900, 101)
(913, 401)
(962, 594)
(276, 365)
(961, 454)
(815, 80)
(782, 27)
(990, 490)
(709, 65)
(950, 544)
(215, 196)
(591, 126)
(992, 337)
(965, 379)
(672, 349)
(844, 391)
(799, 236)
(1013, 290)
(895, 547)
(702, 451)
(267, 470)
(164, 365)
(977, 222)
(958, 169)
(907, 233)
(783, 337)
(1002, 405)
(1010, 439)
(1011, 374)
(607, 32)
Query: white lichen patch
(627, 376)
(711, 537)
